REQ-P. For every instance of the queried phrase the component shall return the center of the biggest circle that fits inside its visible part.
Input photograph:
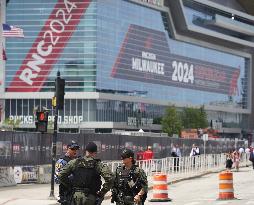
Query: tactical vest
(126, 180)
(86, 176)
(66, 158)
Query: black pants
(64, 195)
(176, 164)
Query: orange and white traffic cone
(226, 189)
(160, 188)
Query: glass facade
(73, 52)
(112, 32)
(115, 47)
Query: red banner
(48, 46)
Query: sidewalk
(27, 194)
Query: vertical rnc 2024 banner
(48, 45)
(145, 56)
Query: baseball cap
(127, 153)
(91, 147)
(73, 145)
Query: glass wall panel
(137, 56)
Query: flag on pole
(4, 55)
(12, 31)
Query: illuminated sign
(145, 56)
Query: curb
(177, 180)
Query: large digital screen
(145, 56)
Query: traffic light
(59, 92)
(41, 121)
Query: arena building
(125, 60)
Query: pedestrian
(194, 152)
(252, 156)
(241, 151)
(236, 159)
(65, 192)
(86, 173)
(176, 153)
(140, 154)
(229, 161)
(148, 154)
(130, 186)
(247, 150)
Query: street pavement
(197, 191)
(204, 190)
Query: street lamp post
(58, 104)
(53, 163)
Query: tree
(10, 124)
(203, 118)
(194, 118)
(171, 122)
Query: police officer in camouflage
(86, 177)
(65, 192)
(130, 185)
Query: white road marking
(249, 202)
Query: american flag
(12, 31)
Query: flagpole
(2, 61)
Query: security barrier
(226, 189)
(187, 167)
(160, 188)
(6, 177)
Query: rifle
(136, 187)
(117, 197)
(99, 200)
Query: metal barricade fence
(183, 166)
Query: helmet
(73, 145)
(127, 153)
(91, 147)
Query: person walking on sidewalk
(148, 154)
(176, 153)
(252, 156)
(229, 160)
(64, 192)
(236, 159)
(130, 186)
(86, 178)
(194, 152)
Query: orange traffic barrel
(160, 188)
(226, 189)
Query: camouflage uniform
(64, 192)
(86, 180)
(128, 183)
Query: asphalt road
(204, 190)
(198, 191)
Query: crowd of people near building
(90, 169)
(234, 157)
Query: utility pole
(58, 104)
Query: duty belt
(86, 191)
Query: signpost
(205, 138)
